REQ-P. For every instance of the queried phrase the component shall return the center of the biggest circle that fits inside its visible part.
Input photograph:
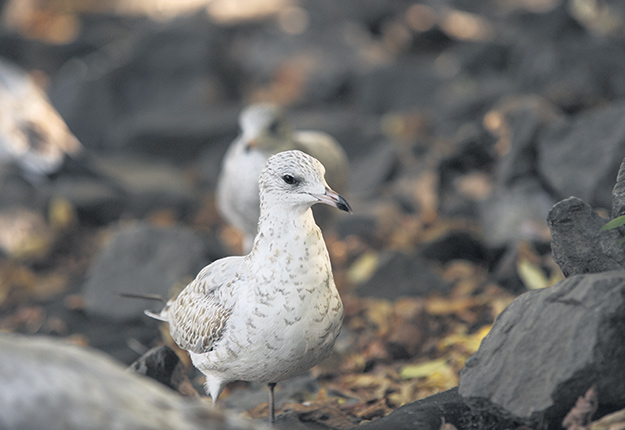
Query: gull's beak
(251, 144)
(332, 198)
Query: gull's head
(295, 179)
(265, 127)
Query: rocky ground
(469, 125)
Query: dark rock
(411, 83)
(581, 157)
(96, 30)
(368, 12)
(149, 184)
(50, 384)
(504, 269)
(163, 365)
(425, 414)
(399, 274)
(577, 242)
(548, 347)
(95, 201)
(291, 390)
(558, 59)
(169, 73)
(143, 259)
(521, 120)
(363, 226)
(455, 245)
(323, 58)
(178, 135)
(474, 152)
(372, 171)
(293, 421)
(516, 212)
(618, 193)
(15, 190)
(358, 133)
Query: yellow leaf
(61, 214)
(422, 370)
(363, 268)
(443, 379)
(469, 343)
(445, 305)
(532, 275)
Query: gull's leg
(272, 405)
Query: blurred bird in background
(33, 136)
(264, 131)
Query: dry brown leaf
(474, 185)
(580, 415)
(444, 306)
(28, 319)
(408, 308)
(376, 409)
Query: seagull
(265, 131)
(33, 136)
(276, 312)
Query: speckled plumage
(275, 312)
(33, 135)
(265, 131)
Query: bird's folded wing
(198, 316)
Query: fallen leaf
(444, 306)
(532, 275)
(469, 343)
(61, 214)
(363, 268)
(613, 421)
(422, 370)
(579, 416)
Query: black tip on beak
(332, 198)
(342, 204)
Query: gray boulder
(143, 259)
(581, 156)
(578, 244)
(45, 383)
(548, 347)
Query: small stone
(402, 275)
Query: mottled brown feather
(199, 315)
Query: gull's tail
(157, 316)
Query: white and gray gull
(33, 136)
(276, 312)
(265, 131)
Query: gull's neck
(292, 231)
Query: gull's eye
(274, 126)
(289, 179)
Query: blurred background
(464, 122)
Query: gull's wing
(198, 316)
